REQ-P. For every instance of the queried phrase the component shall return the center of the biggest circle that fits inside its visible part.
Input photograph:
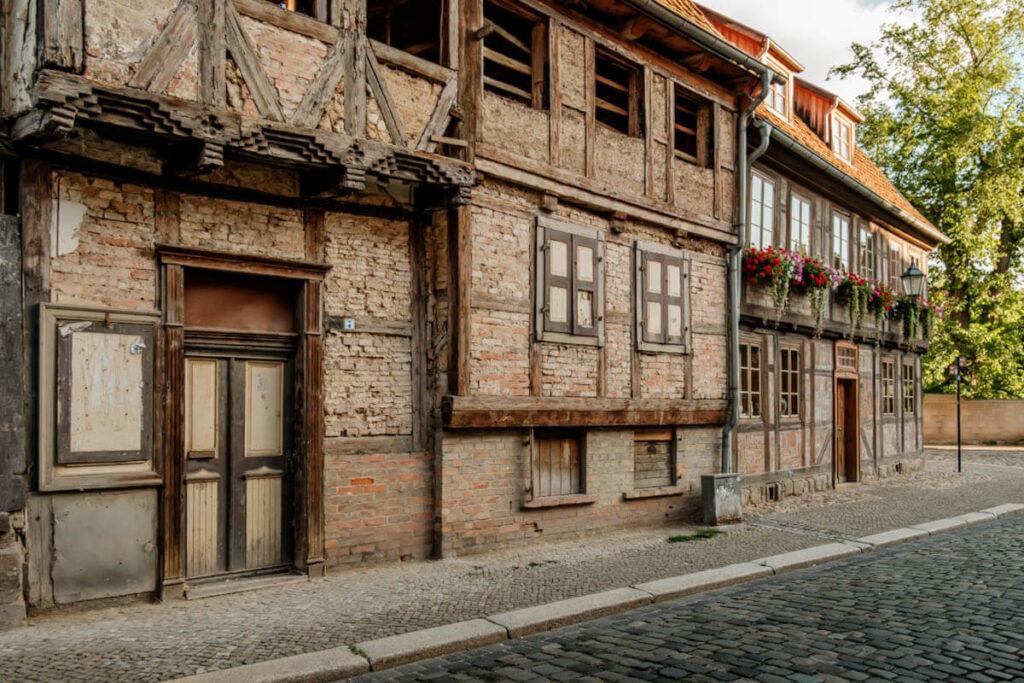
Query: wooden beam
(555, 94)
(355, 88)
(63, 34)
(417, 66)
(459, 311)
(421, 404)
(466, 412)
(172, 521)
(315, 235)
(195, 257)
(271, 13)
(379, 88)
(471, 75)
(325, 84)
(261, 88)
(212, 59)
(167, 216)
(310, 424)
(359, 445)
(164, 59)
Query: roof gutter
(783, 140)
(703, 38)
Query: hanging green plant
(818, 278)
(910, 310)
(857, 292)
(881, 303)
(930, 313)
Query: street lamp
(913, 281)
(957, 369)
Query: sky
(817, 33)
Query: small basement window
(653, 458)
(557, 468)
(691, 128)
(515, 53)
(413, 26)
(619, 91)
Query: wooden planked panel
(556, 467)
(652, 463)
(263, 521)
(201, 511)
(106, 393)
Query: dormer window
(842, 138)
(780, 94)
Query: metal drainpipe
(736, 259)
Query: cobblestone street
(949, 607)
(146, 642)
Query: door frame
(847, 376)
(308, 479)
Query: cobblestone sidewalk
(143, 642)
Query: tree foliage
(945, 120)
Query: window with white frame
(762, 211)
(866, 266)
(800, 225)
(842, 138)
(841, 241)
(750, 380)
(663, 298)
(570, 270)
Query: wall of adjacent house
(982, 422)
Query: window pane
(559, 255)
(675, 321)
(558, 300)
(755, 358)
(653, 317)
(584, 263)
(584, 308)
(674, 276)
(654, 277)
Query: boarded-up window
(515, 53)
(762, 211)
(750, 380)
(557, 463)
(691, 128)
(415, 27)
(888, 387)
(909, 389)
(789, 383)
(619, 91)
(569, 270)
(663, 301)
(653, 458)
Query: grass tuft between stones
(695, 536)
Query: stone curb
(384, 653)
(523, 622)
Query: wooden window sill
(655, 492)
(558, 501)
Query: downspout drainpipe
(743, 165)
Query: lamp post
(957, 369)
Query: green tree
(945, 120)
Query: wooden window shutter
(584, 286)
(662, 299)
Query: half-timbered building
(291, 286)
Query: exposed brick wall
(486, 478)
(242, 227)
(107, 259)
(367, 384)
(371, 275)
(378, 507)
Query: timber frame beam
(498, 411)
(66, 102)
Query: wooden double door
(238, 462)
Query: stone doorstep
(383, 653)
(809, 557)
(710, 579)
(522, 622)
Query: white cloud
(818, 34)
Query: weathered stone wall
(12, 560)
